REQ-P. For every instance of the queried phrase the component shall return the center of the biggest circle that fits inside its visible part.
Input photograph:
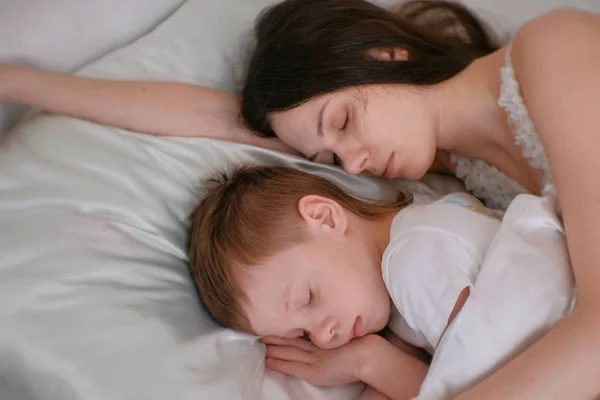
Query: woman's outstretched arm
(156, 108)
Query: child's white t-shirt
(436, 250)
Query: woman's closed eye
(346, 122)
(342, 125)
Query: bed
(95, 297)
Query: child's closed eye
(311, 298)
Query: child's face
(329, 288)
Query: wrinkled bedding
(525, 286)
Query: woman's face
(387, 130)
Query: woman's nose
(356, 163)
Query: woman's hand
(320, 367)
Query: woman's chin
(414, 174)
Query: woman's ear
(322, 214)
(388, 54)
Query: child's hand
(320, 367)
(372, 394)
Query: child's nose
(327, 330)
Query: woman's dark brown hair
(306, 48)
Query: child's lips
(356, 330)
(358, 327)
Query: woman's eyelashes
(340, 118)
(342, 128)
(346, 122)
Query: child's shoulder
(456, 215)
(470, 203)
(451, 214)
(461, 199)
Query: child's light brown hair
(246, 217)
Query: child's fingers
(293, 368)
(302, 344)
(290, 354)
(299, 343)
(271, 340)
(372, 394)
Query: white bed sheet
(525, 286)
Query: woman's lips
(390, 170)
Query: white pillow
(65, 34)
(505, 16)
(525, 286)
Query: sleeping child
(290, 257)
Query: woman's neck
(471, 124)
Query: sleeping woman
(400, 93)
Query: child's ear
(388, 54)
(321, 213)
